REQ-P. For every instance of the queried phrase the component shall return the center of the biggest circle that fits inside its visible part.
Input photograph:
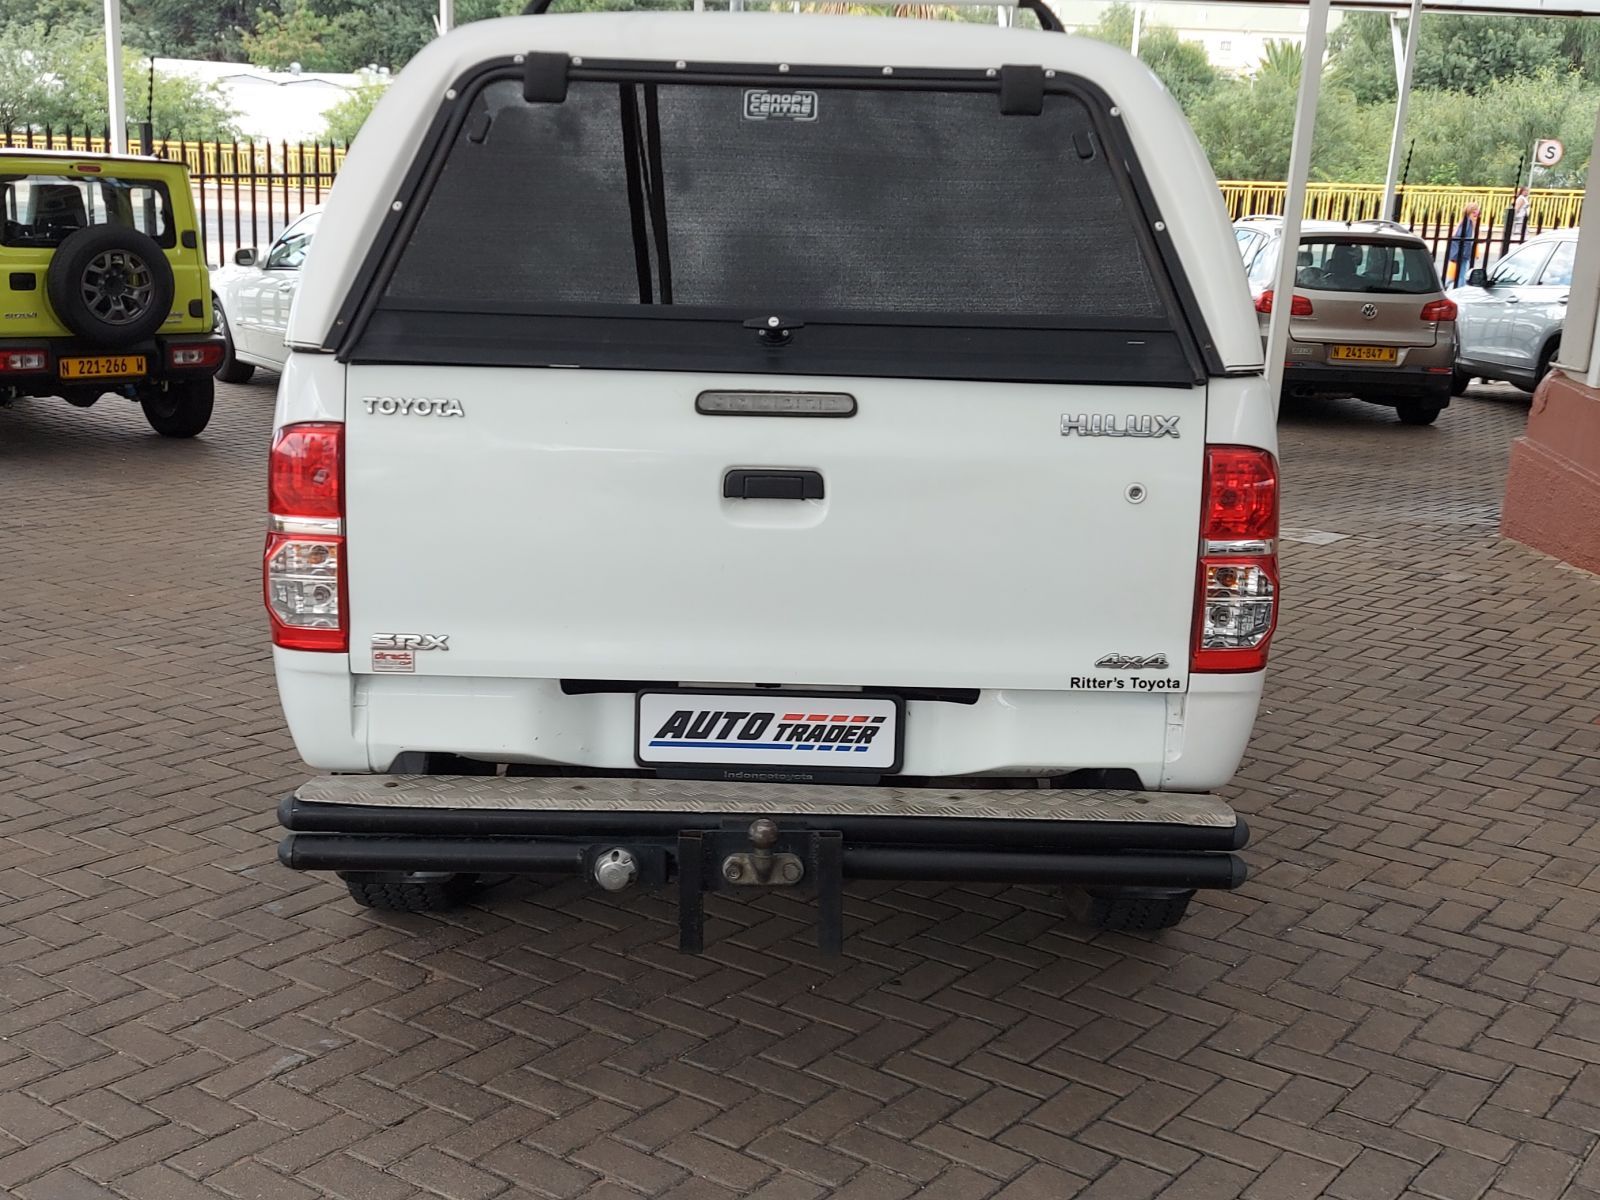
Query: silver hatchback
(1368, 317)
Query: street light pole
(117, 112)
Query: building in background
(1235, 36)
(279, 106)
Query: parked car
(252, 299)
(630, 519)
(103, 286)
(1369, 317)
(1252, 233)
(1511, 316)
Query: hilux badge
(1111, 425)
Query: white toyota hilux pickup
(753, 451)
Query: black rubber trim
(629, 103)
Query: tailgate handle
(772, 485)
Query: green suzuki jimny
(103, 286)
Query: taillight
(1439, 310)
(304, 567)
(1236, 589)
(194, 354)
(1299, 306)
(24, 362)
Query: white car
(251, 300)
(761, 450)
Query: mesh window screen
(881, 202)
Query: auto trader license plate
(1373, 354)
(769, 729)
(103, 368)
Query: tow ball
(760, 867)
(762, 856)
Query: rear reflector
(303, 569)
(23, 362)
(1236, 591)
(1299, 306)
(1439, 310)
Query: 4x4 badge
(1111, 425)
(1132, 662)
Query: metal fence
(1433, 213)
(245, 192)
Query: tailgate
(573, 524)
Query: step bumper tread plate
(591, 794)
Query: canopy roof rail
(1047, 17)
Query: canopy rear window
(871, 221)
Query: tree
(1246, 127)
(57, 78)
(297, 35)
(1182, 66)
(1456, 53)
(344, 119)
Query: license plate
(1376, 354)
(769, 729)
(103, 368)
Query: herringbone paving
(1403, 1001)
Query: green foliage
(1247, 126)
(1482, 138)
(1182, 66)
(57, 78)
(344, 119)
(296, 35)
(1460, 53)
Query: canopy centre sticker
(761, 104)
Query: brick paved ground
(1401, 1002)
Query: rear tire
(1417, 414)
(183, 409)
(419, 893)
(1128, 910)
(231, 370)
(1545, 361)
(1459, 382)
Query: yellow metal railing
(1419, 205)
(278, 160)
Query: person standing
(1519, 214)
(1463, 248)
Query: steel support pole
(1305, 120)
(447, 16)
(1402, 97)
(1580, 334)
(116, 108)
(1138, 28)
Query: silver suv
(1510, 317)
(1368, 317)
